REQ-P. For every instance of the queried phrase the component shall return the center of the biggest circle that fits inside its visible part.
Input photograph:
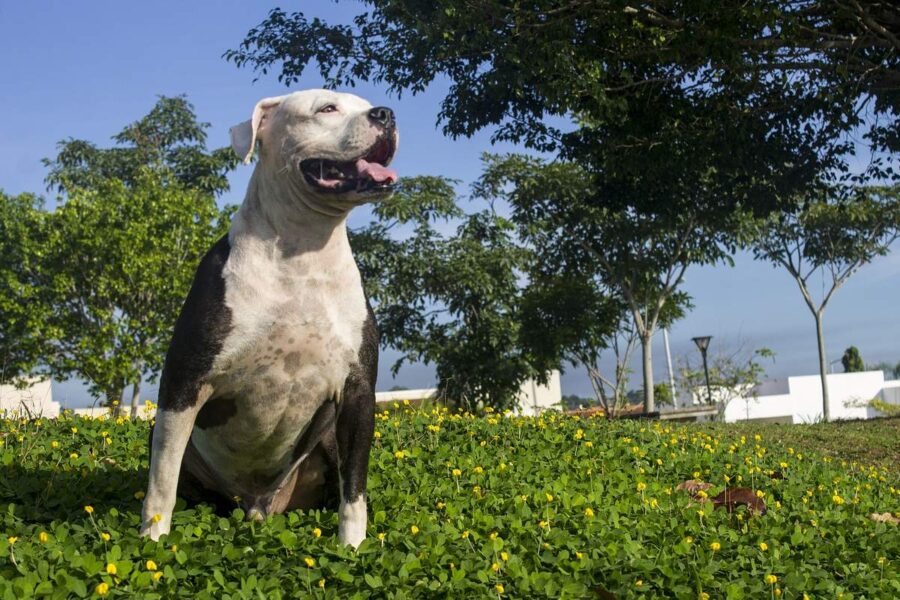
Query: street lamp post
(703, 344)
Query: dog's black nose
(383, 116)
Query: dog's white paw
(156, 525)
(352, 522)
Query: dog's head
(336, 147)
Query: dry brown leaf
(734, 497)
(884, 518)
(692, 486)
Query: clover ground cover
(462, 505)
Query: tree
(852, 361)
(832, 238)
(785, 65)
(639, 256)
(112, 277)
(450, 300)
(24, 233)
(732, 377)
(169, 139)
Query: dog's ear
(244, 135)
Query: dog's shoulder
(200, 331)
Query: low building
(33, 401)
(796, 399)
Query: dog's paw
(156, 526)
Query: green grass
(875, 441)
(540, 508)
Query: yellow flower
(457, 472)
(89, 509)
(703, 596)
(151, 566)
(589, 444)
(771, 579)
(54, 444)
(837, 499)
(139, 495)
(321, 583)
(414, 530)
(157, 576)
(317, 532)
(156, 518)
(102, 589)
(777, 592)
(504, 556)
(12, 539)
(440, 505)
(760, 494)
(495, 567)
(111, 568)
(399, 454)
(104, 536)
(589, 512)
(377, 435)
(310, 562)
(579, 555)
(478, 470)
(43, 537)
(174, 548)
(381, 536)
(639, 583)
(641, 486)
(543, 524)
(74, 430)
(465, 534)
(688, 540)
(715, 546)
(763, 546)
(493, 535)
(549, 497)
(498, 588)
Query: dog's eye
(328, 109)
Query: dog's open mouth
(365, 174)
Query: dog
(267, 392)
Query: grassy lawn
(876, 441)
(479, 507)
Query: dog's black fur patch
(200, 332)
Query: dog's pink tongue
(375, 172)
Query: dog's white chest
(296, 330)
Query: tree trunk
(823, 367)
(647, 352)
(135, 397)
(114, 401)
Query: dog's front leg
(355, 427)
(170, 438)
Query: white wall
(801, 398)
(535, 398)
(33, 401)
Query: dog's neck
(279, 214)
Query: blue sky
(86, 69)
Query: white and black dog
(267, 393)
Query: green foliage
(168, 140)
(522, 501)
(891, 410)
(107, 274)
(450, 300)
(92, 289)
(24, 234)
(784, 67)
(852, 361)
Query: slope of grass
(479, 507)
